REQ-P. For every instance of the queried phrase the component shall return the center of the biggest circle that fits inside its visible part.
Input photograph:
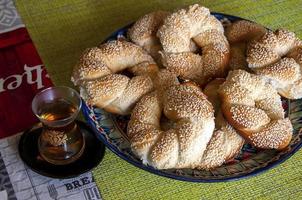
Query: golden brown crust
(201, 68)
(143, 32)
(225, 142)
(211, 91)
(244, 31)
(246, 117)
(101, 92)
(136, 88)
(238, 57)
(176, 35)
(276, 57)
(96, 75)
(254, 108)
(146, 27)
(239, 34)
(90, 66)
(179, 27)
(277, 135)
(182, 145)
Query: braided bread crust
(254, 108)
(100, 85)
(225, 143)
(176, 35)
(143, 32)
(277, 57)
(239, 35)
(181, 146)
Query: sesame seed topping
(277, 57)
(225, 142)
(190, 126)
(262, 121)
(176, 35)
(100, 86)
(143, 32)
(274, 135)
(244, 31)
(248, 117)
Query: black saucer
(91, 157)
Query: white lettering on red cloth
(14, 81)
(22, 75)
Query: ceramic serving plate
(111, 130)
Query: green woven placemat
(61, 30)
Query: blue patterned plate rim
(114, 149)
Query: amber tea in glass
(61, 141)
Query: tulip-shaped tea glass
(61, 141)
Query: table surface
(62, 29)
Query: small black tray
(93, 154)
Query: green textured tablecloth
(62, 29)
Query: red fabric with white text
(22, 75)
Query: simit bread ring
(277, 57)
(181, 146)
(254, 108)
(143, 32)
(101, 86)
(239, 34)
(176, 36)
(225, 143)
